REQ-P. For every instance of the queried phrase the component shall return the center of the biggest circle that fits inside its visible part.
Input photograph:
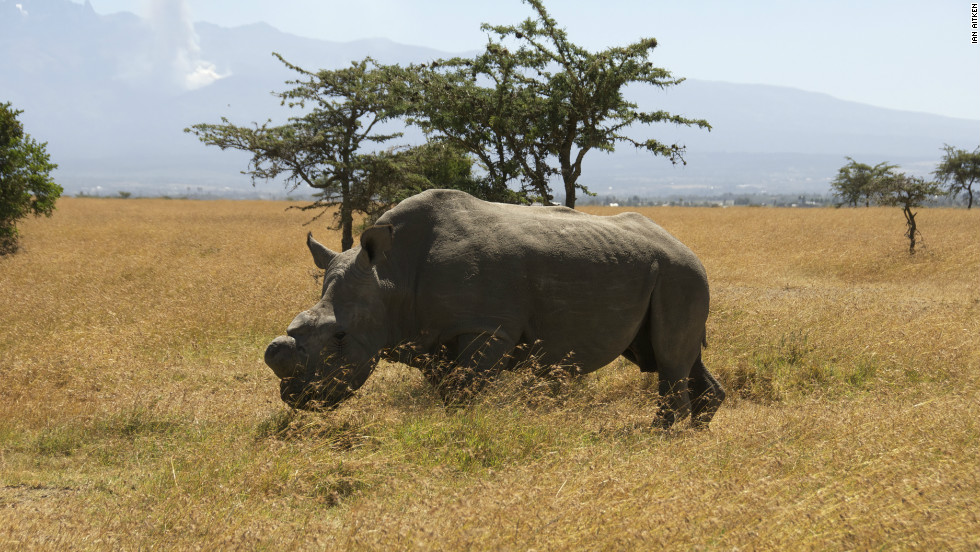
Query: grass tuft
(59, 441)
(135, 421)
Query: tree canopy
(449, 105)
(959, 171)
(533, 104)
(26, 186)
(861, 183)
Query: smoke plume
(176, 52)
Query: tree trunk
(910, 220)
(568, 175)
(8, 238)
(346, 218)
(570, 194)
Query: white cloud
(20, 7)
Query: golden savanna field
(136, 411)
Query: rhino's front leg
(473, 360)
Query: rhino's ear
(375, 242)
(321, 255)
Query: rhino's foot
(664, 419)
(704, 408)
(706, 396)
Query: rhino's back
(453, 224)
(573, 281)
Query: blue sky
(900, 54)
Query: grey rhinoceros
(464, 288)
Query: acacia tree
(857, 182)
(549, 103)
(907, 192)
(321, 148)
(26, 186)
(959, 171)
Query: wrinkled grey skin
(463, 288)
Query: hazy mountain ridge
(112, 94)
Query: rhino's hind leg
(706, 395)
(669, 343)
(675, 401)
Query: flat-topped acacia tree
(907, 192)
(323, 147)
(861, 183)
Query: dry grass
(136, 412)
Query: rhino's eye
(339, 336)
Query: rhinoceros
(465, 288)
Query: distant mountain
(778, 139)
(112, 94)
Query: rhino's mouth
(324, 387)
(316, 395)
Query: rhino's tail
(704, 338)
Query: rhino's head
(330, 350)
